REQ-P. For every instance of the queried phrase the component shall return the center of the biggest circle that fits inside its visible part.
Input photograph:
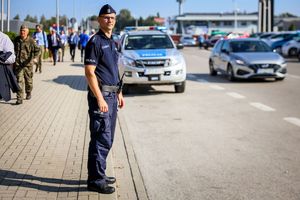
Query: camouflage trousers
(25, 80)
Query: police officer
(26, 51)
(101, 70)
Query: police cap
(106, 9)
(23, 26)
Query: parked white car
(291, 48)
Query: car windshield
(249, 46)
(134, 42)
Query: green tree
(292, 27)
(283, 15)
(124, 19)
(17, 17)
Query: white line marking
(293, 120)
(202, 80)
(262, 107)
(294, 76)
(216, 87)
(235, 95)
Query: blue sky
(84, 8)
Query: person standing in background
(64, 41)
(41, 39)
(54, 42)
(73, 41)
(83, 39)
(26, 51)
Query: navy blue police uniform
(101, 52)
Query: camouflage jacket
(25, 50)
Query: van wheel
(125, 89)
(180, 88)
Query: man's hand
(103, 105)
(121, 102)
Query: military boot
(19, 101)
(28, 95)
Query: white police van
(150, 57)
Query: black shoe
(19, 101)
(28, 95)
(104, 189)
(110, 180)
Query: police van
(150, 57)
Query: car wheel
(299, 56)
(293, 52)
(180, 88)
(230, 73)
(212, 70)
(280, 79)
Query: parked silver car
(151, 58)
(246, 58)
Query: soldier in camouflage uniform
(26, 51)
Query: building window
(243, 23)
(228, 23)
(215, 23)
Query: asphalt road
(219, 140)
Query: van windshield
(134, 42)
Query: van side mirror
(179, 46)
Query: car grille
(153, 63)
(265, 66)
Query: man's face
(38, 29)
(107, 21)
(24, 33)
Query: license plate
(153, 71)
(265, 71)
(154, 78)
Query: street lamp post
(2, 15)
(8, 15)
(57, 15)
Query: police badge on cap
(106, 9)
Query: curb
(137, 179)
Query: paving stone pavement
(44, 141)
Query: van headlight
(128, 62)
(175, 60)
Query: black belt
(109, 88)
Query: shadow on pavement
(77, 64)
(145, 90)
(75, 82)
(11, 178)
(198, 77)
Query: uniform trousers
(25, 78)
(102, 128)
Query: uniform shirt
(101, 52)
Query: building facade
(206, 23)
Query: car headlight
(175, 60)
(128, 62)
(240, 62)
